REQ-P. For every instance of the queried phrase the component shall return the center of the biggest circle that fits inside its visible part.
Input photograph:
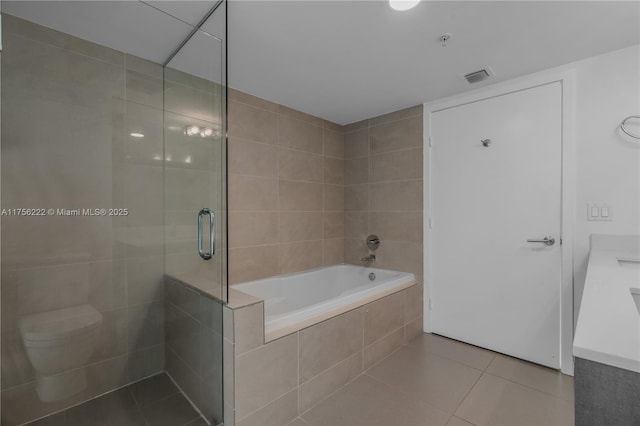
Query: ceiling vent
(477, 76)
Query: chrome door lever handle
(546, 240)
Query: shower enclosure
(113, 151)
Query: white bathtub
(295, 301)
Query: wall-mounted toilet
(60, 341)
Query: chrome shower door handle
(212, 234)
(546, 240)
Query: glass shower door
(195, 160)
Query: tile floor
(437, 381)
(155, 401)
(430, 381)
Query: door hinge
(429, 303)
(430, 143)
(430, 226)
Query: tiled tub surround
(296, 301)
(383, 194)
(194, 346)
(272, 383)
(70, 106)
(285, 190)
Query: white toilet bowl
(57, 342)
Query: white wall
(607, 162)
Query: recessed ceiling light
(136, 135)
(403, 4)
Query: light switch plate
(600, 212)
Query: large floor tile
(114, 409)
(434, 379)
(541, 378)
(457, 351)
(366, 401)
(153, 389)
(457, 421)
(172, 411)
(496, 401)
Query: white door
(489, 286)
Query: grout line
(529, 387)
(197, 410)
(397, 119)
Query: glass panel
(94, 143)
(195, 163)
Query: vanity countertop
(608, 329)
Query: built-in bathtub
(295, 301)
(292, 340)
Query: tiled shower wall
(383, 194)
(68, 106)
(285, 190)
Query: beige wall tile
(300, 226)
(333, 251)
(396, 135)
(354, 250)
(345, 333)
(144, 88)
(382, 347)
(397, 115)
(254, 388)
(300, 196)
(383, 316)
(414, 329)
(413, 302)
(17, 26)
(191, 100)
(300, 135)
(356, 198)
(302, 166)
(356, 171)
(333, 197)
(400, 226)
(355, 126)
(278, 413)
(145, 279)
(333, 225)
(252, 193)
(245, 98)
(300, 256)
(252, 158)
(397, 165)
(400, 256)
(356, 225)
(251, 123)
(319, 387)
(333, 143)
(248, 324)
(334, 171)
(396, 196)
(299, 115)
(252, 228)
(252, 263)
(228, 371)
(334, 127)
(356, 144)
